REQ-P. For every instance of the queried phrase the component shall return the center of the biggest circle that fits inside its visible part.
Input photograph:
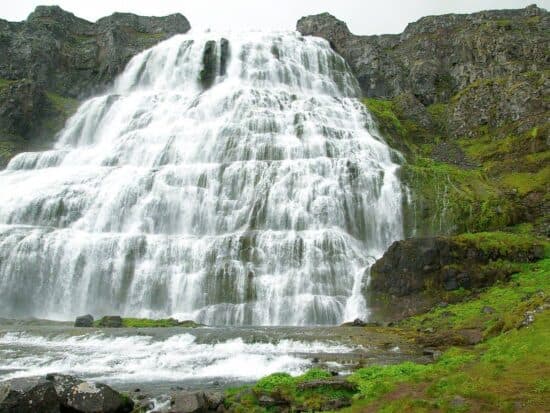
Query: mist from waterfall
(225, 178)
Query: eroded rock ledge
(437, 56)
(53, 59)
(74, 57)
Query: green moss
(508, 302)
(504, 243)
(383, 111)
(447, 199)
(65, 105)
(153, 323)
(510, 366)
(438, 112)
(62, 109)
(4, 83)
(276, 382)
(525, 182)
(313, 374)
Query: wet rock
(360, 323)
(487, 310)
(110, 321)
(209, 62)
(86, 397)
(195, 401)
(28, 395)
(84, 321)
(434, 353)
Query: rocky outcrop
(53, 59)
(28, 395)
(110, 321)
(447, 263)
(437, 56)
(60, 393)
(84, 321)
(73, 57)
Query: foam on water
(227, 178)
(144, 358)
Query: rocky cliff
(54, 58)
(466, 99)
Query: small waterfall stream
(225, 178)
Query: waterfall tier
(229, 179)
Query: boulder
(84, 321)
(196, 402)
(81, 396)
(28, 395)
(111, 321)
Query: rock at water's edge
(84, 321)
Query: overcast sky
(362, 16)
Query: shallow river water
(157, 360)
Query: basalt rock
(74, 57)
(54, 58)
(437, 56)
(84, 321)
(28, 395)
(111, 321)
(76, 395)
(196, 402)
(445, 263)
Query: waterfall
(225, 178)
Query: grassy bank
(509, 370)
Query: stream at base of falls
(159, 360)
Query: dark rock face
(437, 56)
(417, 264)
(22, 104)
(53, 58)
(111, 321)
(209, 57)
(84, 321)
(74, 57)
(28, 395)
(80, 396)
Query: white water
(260, 200)
(144, 358)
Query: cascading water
(229, 179)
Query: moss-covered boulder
(449, 263)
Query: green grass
(525, 182)
(502, 243)
(383, 111)
(152, 323)
(511, 367)
(509, 301)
